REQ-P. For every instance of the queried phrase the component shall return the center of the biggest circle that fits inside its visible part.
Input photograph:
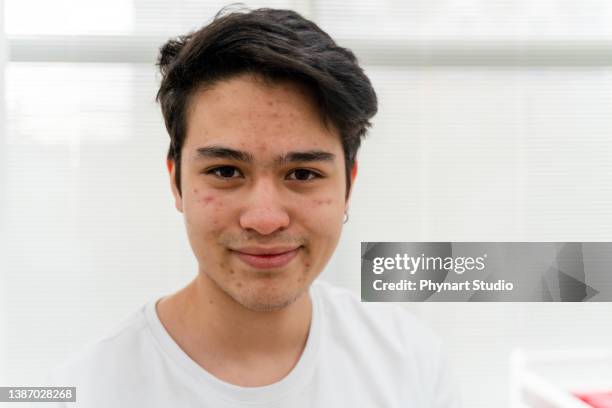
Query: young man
(265, 115)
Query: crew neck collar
(297, 377)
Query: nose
(265, 212)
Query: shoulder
(388, 324)
(386, 338)
(117, 349)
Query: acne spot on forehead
(239, 284)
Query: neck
(228, 339)
(238, 329)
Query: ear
(178, 200)
(353, 177)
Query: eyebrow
(220, 152)
(306, 156)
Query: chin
(266, 299)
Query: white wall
(3, 286)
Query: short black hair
(277, 45)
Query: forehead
(247, 113)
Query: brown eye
(225, 172)
(303, 175)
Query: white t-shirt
(356, 355)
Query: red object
(597, 399)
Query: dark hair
(277, 45)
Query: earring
(346, 217)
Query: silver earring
(346, 217)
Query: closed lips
(266, 251)
(267, 258)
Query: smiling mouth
(267, 258)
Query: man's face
(263, 189)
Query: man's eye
(226, 172)
(303, 175)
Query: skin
(246, 325)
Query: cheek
(324, 214)
(207, 210)
(322, 218)
(329, 206)
(322, 202)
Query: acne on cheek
(307, 264)
(320, 202)
(209, 202)
(206, 200)
(229, 271)
(324, 205)
(307, 257)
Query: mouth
(267, 258)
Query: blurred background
(494, 124)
